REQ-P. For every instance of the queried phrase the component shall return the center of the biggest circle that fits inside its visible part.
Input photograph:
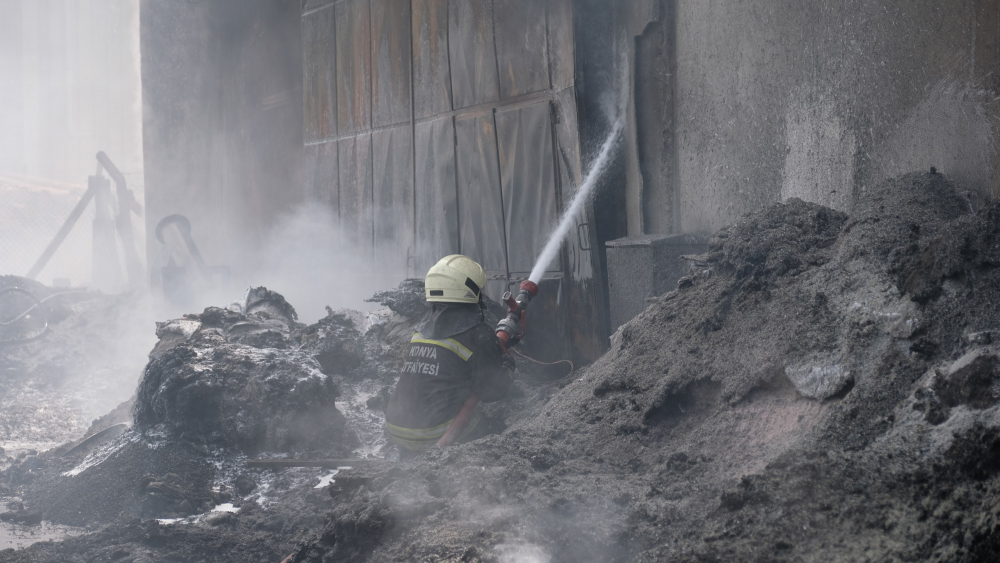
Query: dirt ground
(822, 387)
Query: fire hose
(510, 331)
(37, 304)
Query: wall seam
(371, 132)
(496, 139)
(413, 161)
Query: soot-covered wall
(421, 128)
(738, 104)
(222, 120)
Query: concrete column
(631, 19)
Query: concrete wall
(818, 100)
(222, 126)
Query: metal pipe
(63, 232)
(126, 205)
(106, 272)
(179, 224)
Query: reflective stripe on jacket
(436, 378)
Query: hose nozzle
(510, 330)
(529, 289)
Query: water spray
(582, 193)
(510, 330)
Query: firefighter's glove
(511, 324)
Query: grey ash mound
(220, 386)
(824, 386)
(88, 361)
(234, 380)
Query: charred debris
(823, 385)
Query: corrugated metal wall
(437, 127)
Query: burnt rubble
(823, 383)
(220, 386)
(233, 380)
(775, 406)
(53, 385)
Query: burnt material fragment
(407, 300)
(227, 379)
(935, 412)
(25, 517)
(336, 342)
(970, 382)
(264, 303)
(172, 496)
(977, 452)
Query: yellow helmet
(454, 279)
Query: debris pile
(822, 383)
(222, 385)
(233, 380)
(87, 361)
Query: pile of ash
(824, 383)
(229, 383)
(87, 360)
(234, 380)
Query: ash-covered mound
(824, 387)
(87, 360)
(407, 300)
(222, 385)
(234, 380)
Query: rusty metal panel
(356, 219)
(391, 57)
(546, 334)
(354, 101)
(473, 56)
(579, 245)
(522, 52)
(431, 71)
(321, 168)
(528, 181)
(479, 198)
(496, 285)
(320, 75)
(561, 43)
(392, 187)
(437, 205)
(583, 289)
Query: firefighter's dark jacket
(452, 352)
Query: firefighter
(453, 355)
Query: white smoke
(522, 553)
(306, 259)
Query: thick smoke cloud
(70, 88)
(307, 259)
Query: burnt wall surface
(436, 127)
(422, 128)
(776, 99)
(222, 120)
(595, 85)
